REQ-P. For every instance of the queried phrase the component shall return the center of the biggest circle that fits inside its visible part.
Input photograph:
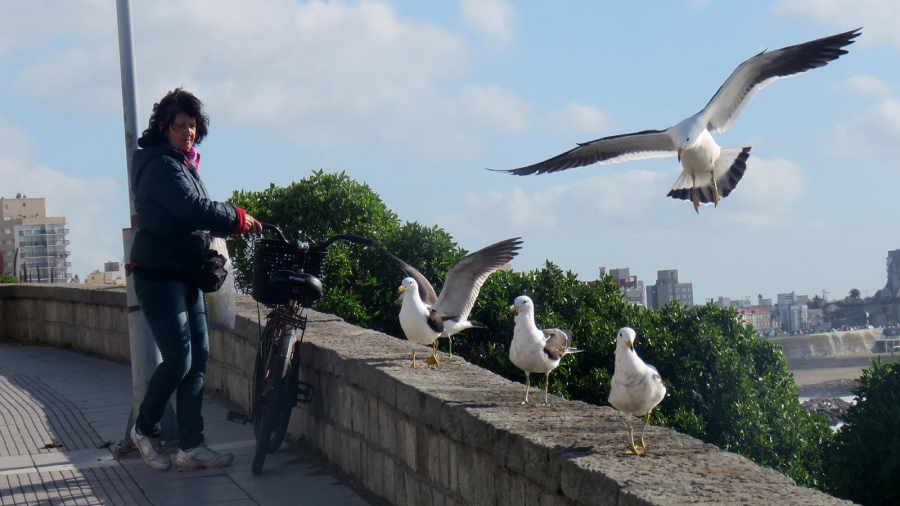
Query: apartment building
(668, 288)
(33, 246)
(631, 287)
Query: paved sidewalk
(61, 413)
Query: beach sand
(835, 375)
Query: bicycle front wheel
(276, 393)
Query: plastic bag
(221, 303)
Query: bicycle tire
(266, 352)
(278, 389)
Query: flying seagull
(636, 387)
(424, 314)
(536, 350)
(709, 172)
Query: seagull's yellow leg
(640, 444)
(414, 360)
(715, 186)
(527, 385)
(546, 389)
(633, 450)
(449, 347)
(695, 196)
(432, 360)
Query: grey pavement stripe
(67, 423)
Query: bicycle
(287, 277)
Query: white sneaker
(201, 457)
(151, 450)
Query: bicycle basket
(269, 255)
(314, 263)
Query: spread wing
(426, 292)
(617, 148)
(757, 72)
(464, 280)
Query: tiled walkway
(61, 413)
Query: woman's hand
(252, 225)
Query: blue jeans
(176, 313)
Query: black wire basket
(270, 255)
(314, 262)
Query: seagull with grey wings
(636, 387)
(536, 350)
(709, 172)
(426, 316)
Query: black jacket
(172, 206)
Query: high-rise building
(32, 244)
(668, 288)
(631, 287)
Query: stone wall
(454, 435)
(828, 344)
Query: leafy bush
(8, 279)
(865, 458)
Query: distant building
(724, 302)
(113, 274)
(763, 320)
(631, 287)
(668, 288)
(32, 245)
(793, 311)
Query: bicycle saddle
(303, 287)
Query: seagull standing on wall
(636, 387)
(709, 172)
(536, 350)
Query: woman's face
(183, 131)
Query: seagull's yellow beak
(680, 150)
(511, 309)
(631, 345)
(401, 289)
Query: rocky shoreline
(826, 399)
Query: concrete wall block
(370, 427)
(51, 311)
(387, 441)
(406, 441)
(373, 470)
(399, 495)
(510, 490)
(465, 470)
(411, 483)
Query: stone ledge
(455, 435)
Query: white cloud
(872, 135)
(878, 17)
(579, 118)
(866, 85)
(496, 108)
(495, 19)
(312, 72)
(766, 198)
(95, 231)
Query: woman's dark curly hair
(164, 112)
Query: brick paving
(62, 413)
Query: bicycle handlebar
(356, 239)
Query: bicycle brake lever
(274, 228)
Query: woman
(174, 214)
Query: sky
(416, 99)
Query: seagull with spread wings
(425, 316)
(709, 172)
